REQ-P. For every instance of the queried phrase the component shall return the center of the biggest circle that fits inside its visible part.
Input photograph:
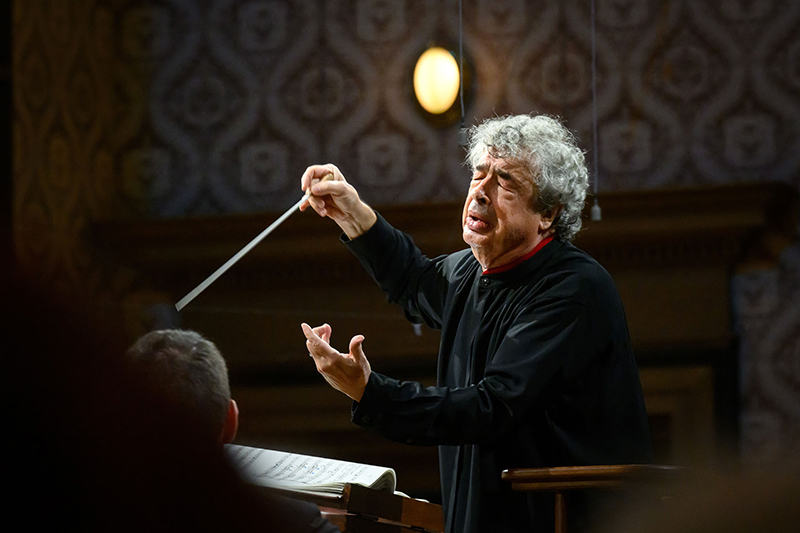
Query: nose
(479, 192)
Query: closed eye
(505, 176)
(504, 179)
(507, 182)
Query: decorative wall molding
(639, 229)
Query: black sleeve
(410, 279)
(542, 341)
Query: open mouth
(476, 223)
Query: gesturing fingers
(348, 372)
(327, 360)
(317, 340)
(323, 332)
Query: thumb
(356, 349)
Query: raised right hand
(336, 199)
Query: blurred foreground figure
(93, 444)
(191, 372)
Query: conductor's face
(498, 221)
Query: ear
(548, 217)
(231, 423)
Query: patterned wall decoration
(172, 108)
(769, 325)
(203, 107)
(78, 107)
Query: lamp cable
(462, 133)
(596, 213)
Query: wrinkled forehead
(494, 159)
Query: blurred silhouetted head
(191, 372)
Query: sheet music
(303, 472)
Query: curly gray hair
(550, 152)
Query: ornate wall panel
(77, 106)
(202, 107)
(768, 320)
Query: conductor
(535, 366)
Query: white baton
(249, 246)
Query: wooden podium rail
(561, 480)
(362, 510)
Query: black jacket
(535, 370)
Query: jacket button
(366, 419)
(485, 282)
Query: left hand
(345, 372)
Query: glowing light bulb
(436, 80)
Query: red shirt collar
(515, 262)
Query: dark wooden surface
(360, 509)
(562, 480)
(588, 477)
